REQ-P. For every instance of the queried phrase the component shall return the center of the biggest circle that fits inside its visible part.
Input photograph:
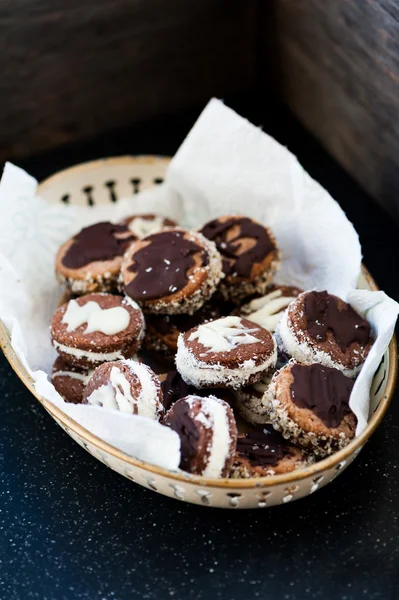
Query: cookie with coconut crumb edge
(171, 272)
(263, 452)
(91, 260)
(250, 254)
(252, 403)
(127, 386)
(229, 352)
(208, 435)
(318, 327)
(309, 405)
(97, 328)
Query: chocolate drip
(98, 242)
(169, 256)
(179, 420)
(235, 263)
(174, 388)
(322, 390)
(263, 446)
(323, 314)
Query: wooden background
(73, 70)
(336, 64)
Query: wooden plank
(72, 70)
(337, 67)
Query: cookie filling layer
(88, 354)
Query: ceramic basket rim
(179, 476)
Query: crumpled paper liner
(225, 165)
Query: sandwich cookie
(318, 327)
(230, 352)
(91, 260)
(264, 452)
(171, 272)
(127, 386)
(97, 328)
(208, 435)
(309, 405)
(250, 255)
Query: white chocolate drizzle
(214, 417)
(116, 394)
(224, 334)
(268, 310)
(142, 227)
(109, 321)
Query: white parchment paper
(225, 166)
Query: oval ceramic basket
(105, 181)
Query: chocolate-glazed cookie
(264, 452)
(162, 331)
(143, 225)
(91, 260)
(97, 328)
(269, 309)
(309, 405)
(70, 382)
(171, 272)
(229, 352)
(127, 386)
(250, 255)
(208, 435)
(318, 327)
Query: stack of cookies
(187, 327)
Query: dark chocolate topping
(263, 446)
(179, 420)
(97, 243)
(241, 264)
(323, 314)
(174, 388)
(322, 390)
(169, 256)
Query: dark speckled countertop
(73, 529)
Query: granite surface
(72, 529)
